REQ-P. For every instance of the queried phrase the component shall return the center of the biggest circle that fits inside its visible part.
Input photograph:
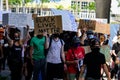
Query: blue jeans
(39, 67)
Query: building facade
(3, 5)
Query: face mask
(16, 38)
(90, 36)
(39, 36)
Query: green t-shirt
(38, 45)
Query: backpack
(46, 50)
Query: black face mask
(16, 38)
(95, 49)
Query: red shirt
(72, 54)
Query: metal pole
(23, 5)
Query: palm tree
(103, 9)
(15, 2)
(18, 3)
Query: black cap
(93, 42)
(89, 32)
(76, 40)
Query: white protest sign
(68, 20)
(18, 20)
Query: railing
(83, 15)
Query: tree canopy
(18, 2)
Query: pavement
(5, 75)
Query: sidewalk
(5, 75)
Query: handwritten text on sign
(89, 24)
(51, 24)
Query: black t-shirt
(93, 61)
(116, 47)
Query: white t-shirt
(114, 39)
(54, 53)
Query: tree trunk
(103, 9)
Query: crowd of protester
(59, 56)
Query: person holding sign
(55, 58)
(37, 45)
(15, 61)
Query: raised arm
(10, 41)
(27, 36)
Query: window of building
(13, 9)
(73, 3)
(83, 4)
(32, 10)
(38, 11)
(20, 9)
(28, 10)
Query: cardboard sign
(51, 24)
(17, 20)
(34, 16)
(102, 28)
(89, 24)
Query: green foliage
(27, 1)
(74, 7)
(91, 6)
(45, 1)
(18, 2)
(15, 2)
(59, 7)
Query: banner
(51, 24)
(17, 20)
(68, 20)
(89, 24)
(102, 28)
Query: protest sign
(34, 16)
(68, 20)
(17, 20)
(102, 28)
(89, 24)
(51, 24)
